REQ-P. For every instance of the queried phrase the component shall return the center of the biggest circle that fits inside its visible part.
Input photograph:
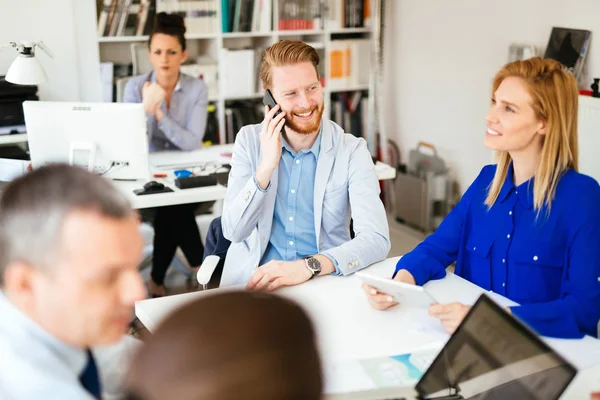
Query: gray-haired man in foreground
(69, 250)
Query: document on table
(405, 370)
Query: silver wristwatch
(313, 265)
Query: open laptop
(494, 356)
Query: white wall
(67, 27)
(445, 56)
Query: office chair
(120, 87)
(215, 250)
(139, 58)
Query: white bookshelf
(117, 49)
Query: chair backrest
(215, 251)
(139, 58)
(216, 244)
(120, 86)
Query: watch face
(314, 264)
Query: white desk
(348, 328)
(171, 160)
(13, 139)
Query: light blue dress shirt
(36, 365)
(184, 123)
(549, 263)
(293, 232)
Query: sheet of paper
(404, 370)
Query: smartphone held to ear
(269, 100)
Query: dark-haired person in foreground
(229, 346)
(176, 110)
(68, 281)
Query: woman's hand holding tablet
(384, 293)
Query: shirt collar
(22, 326)
(524, 190)
(152, 78)
(315, 148)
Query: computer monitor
(109, 139)
(493, 356)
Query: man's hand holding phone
(270, 144)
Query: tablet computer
(403, 293)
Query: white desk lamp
(26, 69)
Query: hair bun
(169, 22)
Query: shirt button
(516, 192)
(503, 284)
(510, 213)
(297, 161)
(292, 191)
(291, 218)
(291, 243)
(474, 248)
(503, 261)
(535, 258)
(508, 236)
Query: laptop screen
(492, 355)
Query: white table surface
(14, 138)
(170, 160)
(348, 328)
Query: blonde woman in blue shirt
(528, 228)
(176, 109)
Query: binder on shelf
(238, 72)
(349, 64)
(225, 16)
(208, 72)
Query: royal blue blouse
(549, 263)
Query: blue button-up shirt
(293, 230)
(548, 262)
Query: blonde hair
(286, 52)
(554, 95)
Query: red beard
(305, 127)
